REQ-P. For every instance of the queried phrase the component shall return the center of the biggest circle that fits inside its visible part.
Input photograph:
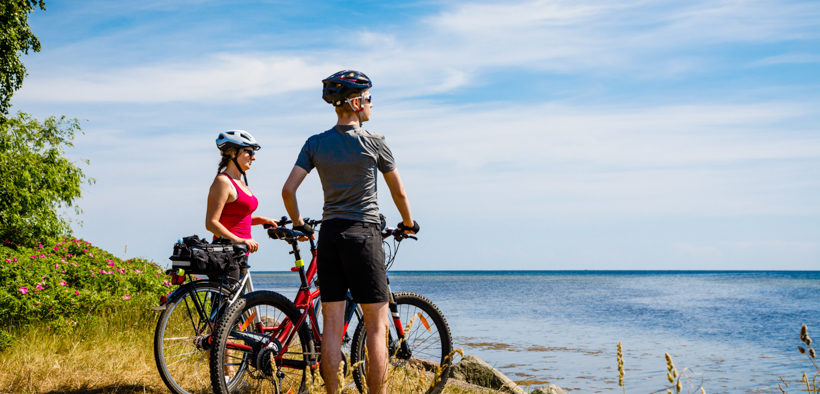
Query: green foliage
(70, 281)
(16, 38)
(35, 179)
(6, 340)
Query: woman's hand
(251, 244)
(257, 220)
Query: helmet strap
(358, 111)
(235, 155)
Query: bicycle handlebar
(397, 234)
(284, 233)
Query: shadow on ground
(118, 389)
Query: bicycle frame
(306, 302)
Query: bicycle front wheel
(257, 347)
(425, 349)
(182, 336)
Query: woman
(230, 201)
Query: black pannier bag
(197, 256)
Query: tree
(36, 181)
(16, 39)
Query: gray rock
(473, 370)
(549, 389)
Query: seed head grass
(811, 384)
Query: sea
(726, 331)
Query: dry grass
(115, 355)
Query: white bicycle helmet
(239, 138)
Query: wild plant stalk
(811, 387)
(621, 368)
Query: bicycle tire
(430, 345)
(180, 339)
(259, 367)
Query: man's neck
(348, 119)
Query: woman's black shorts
(351, 258)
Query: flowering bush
(60, 283)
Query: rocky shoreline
(474, 371)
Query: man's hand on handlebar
(414, 229)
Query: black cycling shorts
(351, 258)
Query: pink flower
(126, 297)
(62, 283)
(37, 303)
(93, 275)
(138, 271)
(14, 259)
(23, 289)
(157, 275)
(39, 287)
(69, 255)
(42, 255)
(56, 266)
(111, 264)
(76, 292)
(33, 256)
(39, 245)
(56, 248)
(90, 255)
(8, 260)
(166, 283)
(102, 271)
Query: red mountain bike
(267, 343)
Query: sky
(535, 135)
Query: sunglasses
(368, 98)
(251, 152)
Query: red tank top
(236, 215)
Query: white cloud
(222, 77)
(634, 39)
(789, 58)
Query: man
(350, 245)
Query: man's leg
(375, 322)
(333, 316)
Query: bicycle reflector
(177, 279)
(424, 321)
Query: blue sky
(530, 134)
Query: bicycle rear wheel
(257, 348)
(428, 343)
(181, 337)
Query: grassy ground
(113, 353)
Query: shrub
(71, 280)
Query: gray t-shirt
(347, 158)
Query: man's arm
(396, 187)
(297, 175)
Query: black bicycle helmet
(342, 84)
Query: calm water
(733, 331)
